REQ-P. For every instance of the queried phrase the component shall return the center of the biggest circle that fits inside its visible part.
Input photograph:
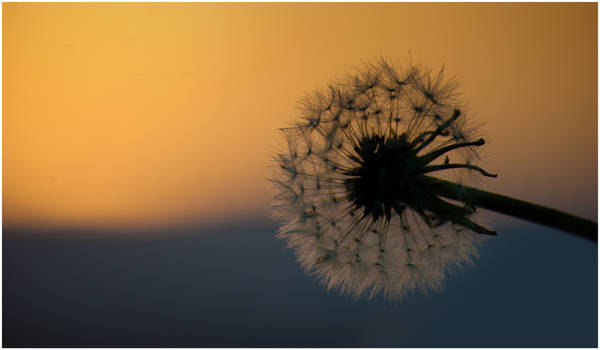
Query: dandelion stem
(514, 207)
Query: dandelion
(359, 186)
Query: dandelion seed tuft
(356, 187)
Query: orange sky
(134, 115)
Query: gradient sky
(141, 115)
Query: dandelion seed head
(353, 188)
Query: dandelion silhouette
(355, 188)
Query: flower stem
(514, 207)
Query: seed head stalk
(514, 207)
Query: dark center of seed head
(384, 176)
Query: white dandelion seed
(354, 185)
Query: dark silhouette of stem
(514, 207)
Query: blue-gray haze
(235, 286)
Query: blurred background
(137, 140)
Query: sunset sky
(145, 115)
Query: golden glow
(145, 114)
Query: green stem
(514, 207)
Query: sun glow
(151, 114)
